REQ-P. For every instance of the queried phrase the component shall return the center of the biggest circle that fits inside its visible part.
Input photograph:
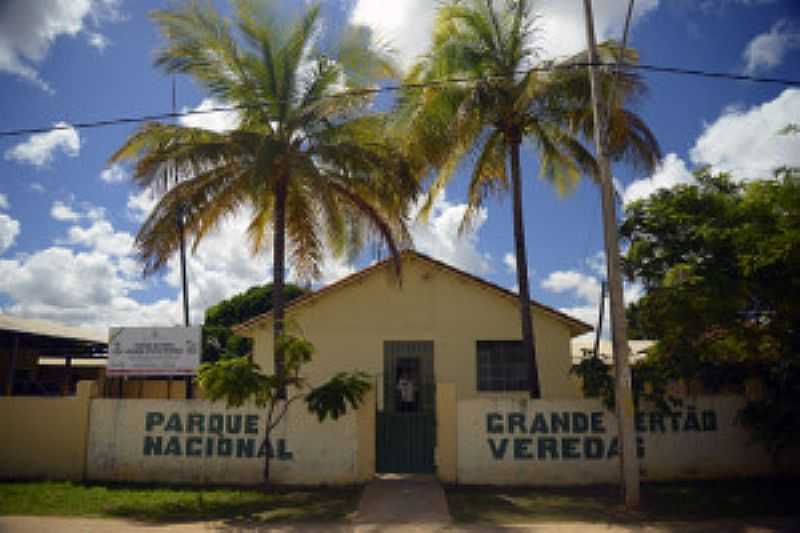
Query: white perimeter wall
(686, 446)
(323, 453)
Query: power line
(394, 88)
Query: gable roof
(577, 327)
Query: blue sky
(67, 221)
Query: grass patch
(178, 504)
(678, 501)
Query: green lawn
(154, 504)
(687, 501)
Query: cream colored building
(353, 324)
(430, 339)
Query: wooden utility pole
(629, 464)
(184, 279)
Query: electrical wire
(394, 88)
(620, 58)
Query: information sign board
(154, 351)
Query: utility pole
(629, 464)
(601, 313)
(184, 279)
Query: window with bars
(502, 366)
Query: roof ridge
(579, 324)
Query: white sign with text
(153, 351)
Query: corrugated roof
(81, 362)
(638, 349)
(576, 325)
(51, 329)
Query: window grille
(502, 366)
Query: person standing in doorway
(407, 390)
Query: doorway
(406, 427)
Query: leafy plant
(720, 263)
(238, 380)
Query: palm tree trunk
(528, 342)
(279, 274)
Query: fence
(485, 440)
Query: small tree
(238, 380)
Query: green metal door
(406, 427)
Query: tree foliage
(720, 264)
(507, 98)
(308, 163)
(218, 339)
(239, 380)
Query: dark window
(502, 366)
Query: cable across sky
(398, 87)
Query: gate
(406, 427)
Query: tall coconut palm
(501, 97)
(305, 160)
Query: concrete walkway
(402, 503)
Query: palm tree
(495, 97)
(305, 160)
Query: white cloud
(562, 24)
(597, 264)
(746, 142)
(584, 289)
(218, 121)
(59, 277)
(4, 201)
(671, 171)
(37, 187)
(221, 266)
(101, 237)
(28, 29)
(334, 269)
(114, 174)
(63, 212)
(140, 204)
(97, 40)
(407, 24)
(90, 289)
(40, 148)
(439, 238)
(510, 262)
(767, 50)
(9, 230)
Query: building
(582, 348)
(38, 357)
(450, 398)
(435, 324)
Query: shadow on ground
(244, 509)
(737, 504)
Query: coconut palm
(305, 161)
(495, 97)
